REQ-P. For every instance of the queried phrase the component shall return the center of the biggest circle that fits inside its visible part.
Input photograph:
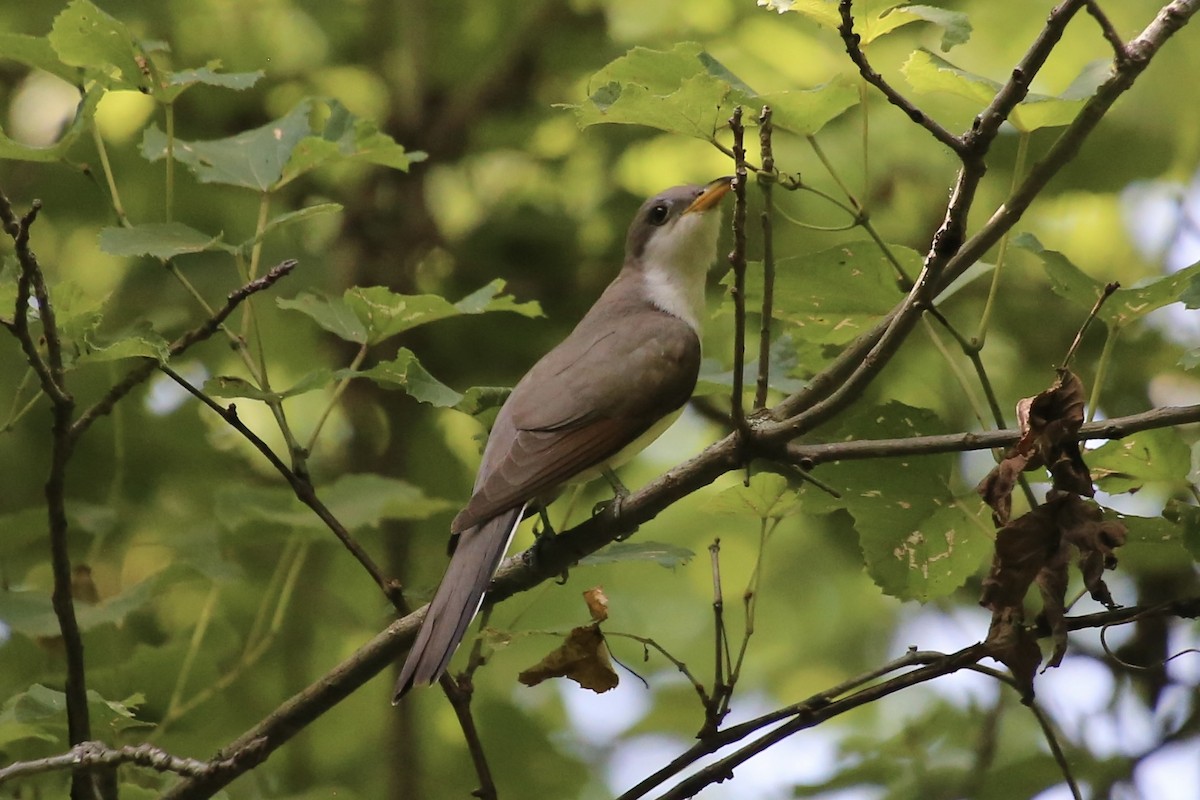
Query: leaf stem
(1002, 251)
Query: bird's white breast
(675, 262)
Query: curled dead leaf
(597, 603)
(582, 657)
(1049, 423)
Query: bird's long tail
(457, 599)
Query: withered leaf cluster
(1037, 547)
(583, 655)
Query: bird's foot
(543, 537)
(614, 506)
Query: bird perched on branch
(609, 389)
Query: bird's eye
(659, 214)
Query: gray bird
(609, 389)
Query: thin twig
(854, 49)
(50, 374)
(459, 693)
(1116, 428)
(1104, 295)
(303, 490)
(737, 260)
(1107, 29)
(139, 374)
(767, 182)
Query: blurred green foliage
(409, 152)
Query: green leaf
(36, 51)
(928, 73)
(144, 343)
(665, 555)
(686, 90)
(881, 20)
(714, 378)
(1155, 456)
(299, 215)
(162, 240)
(480, 400)
(84, 36)
(1125, 305)
(406, 373)
(31, 613)
(233, 386)
(834, 295)
(919, 541)
(40, 712)
(955, 25)
(806, 111)
(769, 496)
(179, 82)
(254, 159)
(371, 314)
(331, 313)
(345, 137)
(360, 500)
(1186, 518)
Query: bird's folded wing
(567, 416)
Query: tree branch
(145, 369)
(87, 754)
(50, 374)
(854, 49)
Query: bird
(617, 381)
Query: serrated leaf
(834, 295)
(331, 313)
(1153, 456)
(806, 111)
(144, 343)
(482, 400)
(31, 613)
(955, 25)
(41, 712)
(406, 373)
(233, 386)
(254, 159)
(881, 20)
(686, 90)
(767, 497)
(918, 540)
(1125, 305)
(371, 314)
(359, 500)
(928, 73)
(36, 51)
(345, 137)
(179, 82)
(162, 240)
(85, 36)
(697, 108)
(665, 555)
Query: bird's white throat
(675, 263)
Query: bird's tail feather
(457, 599)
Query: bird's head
(676, 229)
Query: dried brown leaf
(1016, 647)
(1023, 548)
(597, 603)
(996, 489)
(582, 657)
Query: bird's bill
(711, 195)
